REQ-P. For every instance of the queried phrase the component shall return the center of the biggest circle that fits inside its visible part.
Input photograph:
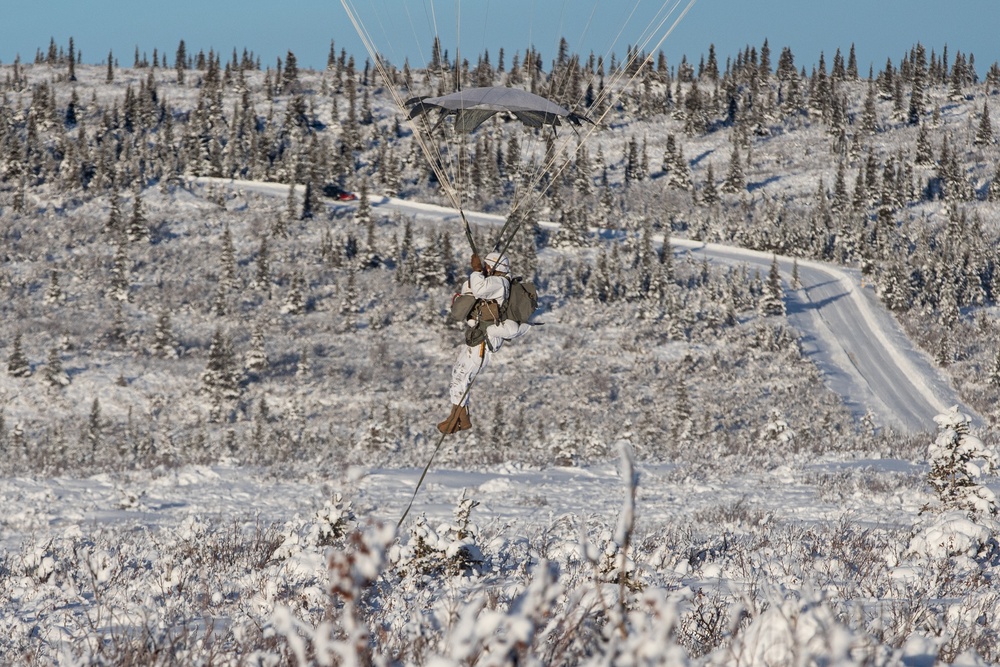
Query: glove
(476, 263)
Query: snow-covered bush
(958, 462)
(450, 549)
(793, 630)
(332, 521)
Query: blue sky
(878, 28)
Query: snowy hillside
(217, 394)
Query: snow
(747, 535)
(82, 523)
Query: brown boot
(451, 423)
(464, 423)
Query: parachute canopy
(473, 106)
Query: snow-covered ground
(101, 559)
(766, 526)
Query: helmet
(498, 263)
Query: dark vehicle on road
(338, 193)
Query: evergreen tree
(17, 363)
(53, 374)
(308, 201)
(71, 72)
(138, 228)
(280, 223)
(958, 461)
(221, 377)
(675, 166)
(925, 152)
(114, 223)
(369, 258)
(852, 65)
(290, 76)
(363, 212)
(869, 116)
(228, 260)
(92, 436)
(772, 300)
(117, 332)
(736, 181)
(993, 374)
(262, 278)
(916, 110)
(709, 194)
(984, 135)
(180, 62)
(349, 302)
(295, 303)
(256, 362)
(54, 293)
(119, 289)
(681, 413)
(164, 343)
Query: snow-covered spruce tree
(772, 300)
(573, 232)
(736, 180)
(114, 223)
(92, 433)
(290, 75)
(164, 343)
(363, 212)
(958, 462)
(349, 303)
(138, 227)
(280, 223)
(17, 363)
(54, 293)
(295, 300)
(709, 193)
(984, 135)
(255, 361)
(925, 153)
(120, 269)
(221, 377)
(262, 278)
(54, 375)
(228, 260)
(117, 332)
(369, 257)
(451, 549)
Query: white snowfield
(863, 353)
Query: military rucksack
(522, 302)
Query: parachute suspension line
(530, 190)
(422, 141)
(423, 131)
(643, 46)
(437, 448)
(613, 92)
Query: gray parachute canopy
(472, 106)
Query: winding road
(859, 347)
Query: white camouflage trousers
(472, 360)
